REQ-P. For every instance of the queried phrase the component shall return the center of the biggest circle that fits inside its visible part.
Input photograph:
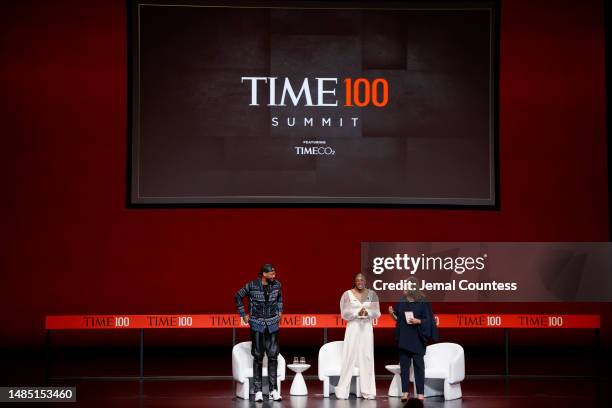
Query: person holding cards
(358, 306)
(415, 326)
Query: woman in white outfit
(358, 306)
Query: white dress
(358, 349)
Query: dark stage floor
(477, 393)
(591, 386)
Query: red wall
(70, 246)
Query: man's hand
(245, 319)
(414, 320)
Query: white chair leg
(278, 385)
(452, 391)
(357, 387)
(326, 387)
(242, 389)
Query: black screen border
(131, 8)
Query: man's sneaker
(258, 396)
(275, 395)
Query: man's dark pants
(267, 343)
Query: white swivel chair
(330, 365)
(242, 369)
(444, 370)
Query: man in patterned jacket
(265, 308)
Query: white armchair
(444, 370)
(242, 369)
(330, 365)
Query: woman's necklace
(359, 295)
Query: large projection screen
(290, 103)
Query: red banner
(315, 321)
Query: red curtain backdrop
(69, 245)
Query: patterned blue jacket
(262, 314)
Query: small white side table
(395, 389)
(298, 386)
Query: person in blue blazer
(415, 326)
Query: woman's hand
(391, 311)
(363, 312)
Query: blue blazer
(414, 337)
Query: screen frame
(230, 202)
